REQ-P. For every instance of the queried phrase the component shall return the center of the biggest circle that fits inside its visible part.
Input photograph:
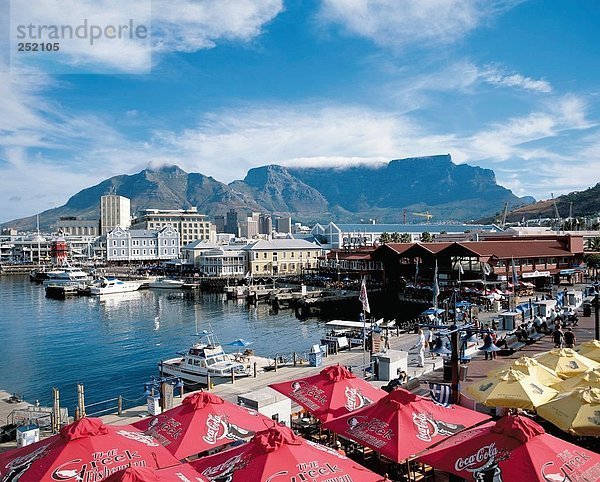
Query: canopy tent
(566, 362)
(183, 472)
(334, 392)
(203, 421)
(512, 389)
(87, 449)
(530, 366)
(576, 412)
(513, 448)
(402, 424)
(279, 454)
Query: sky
(221, 86)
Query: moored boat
(69, 276)
(107, 286)
(204, 359)
(166, 283)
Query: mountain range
(432, 185)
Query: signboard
(536, 274)
(153, 405)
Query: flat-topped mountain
(434, 184)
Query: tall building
(248, 228)
(115, 212)
(71, 226)
(231, 226)
(265, 224)
(190, 224)
(220, 223)
(283, 225)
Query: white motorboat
(203, 359)
(66, 276)
(166, 283)
(107, 286)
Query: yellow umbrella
(590, 349)
(590, 378)
(566, 362)
(576, 412)
(530, 366)
(512, 389)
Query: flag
(515, 278)
(440, 393)
(436, 287)
(460, 268)
(416, 268)
(487, 269)
(363, 298)
(337, 260)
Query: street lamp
(456, 353)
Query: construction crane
(504, 214)
(556, 213)
(424, 215)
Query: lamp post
(455, 353)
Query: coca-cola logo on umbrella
(225, 470)
(218, 428)
(355, 399)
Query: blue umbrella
(239, 342)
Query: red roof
(516, 249)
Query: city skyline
(505, 85)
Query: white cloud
(175, 25)
(496, 76)
(186, 25)
(397, 24)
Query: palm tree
(395, 237)
(405, 238)
(426, 237)
(593, 244)
(593, 262)
(384, 238)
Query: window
(264, 255)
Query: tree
(405, 238)
(384, 238)
(426, 237)
(593, 262)
(593, 244)
(395, 237)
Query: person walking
(558, 337)
(420, 346)
(569, 337)
(429, 342)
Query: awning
(567, 271)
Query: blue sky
(507, 85)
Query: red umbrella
(278, 455)
(203, 421)
(514, 448)
(179, 473)
(402, 424)
(332, 393)
(86, 450)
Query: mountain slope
(434, 184)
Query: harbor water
(112, 344)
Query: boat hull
(174, 368)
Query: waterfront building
(190, 224)
(223, 261)
(142, 244)
(115, 212)
(71, 226)
(282, 256)
(351, 264)
(341, 236)
(191, 252)
(538, 261)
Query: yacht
(166, 283)
(203, 359)
(66, 276)
(107, 286)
